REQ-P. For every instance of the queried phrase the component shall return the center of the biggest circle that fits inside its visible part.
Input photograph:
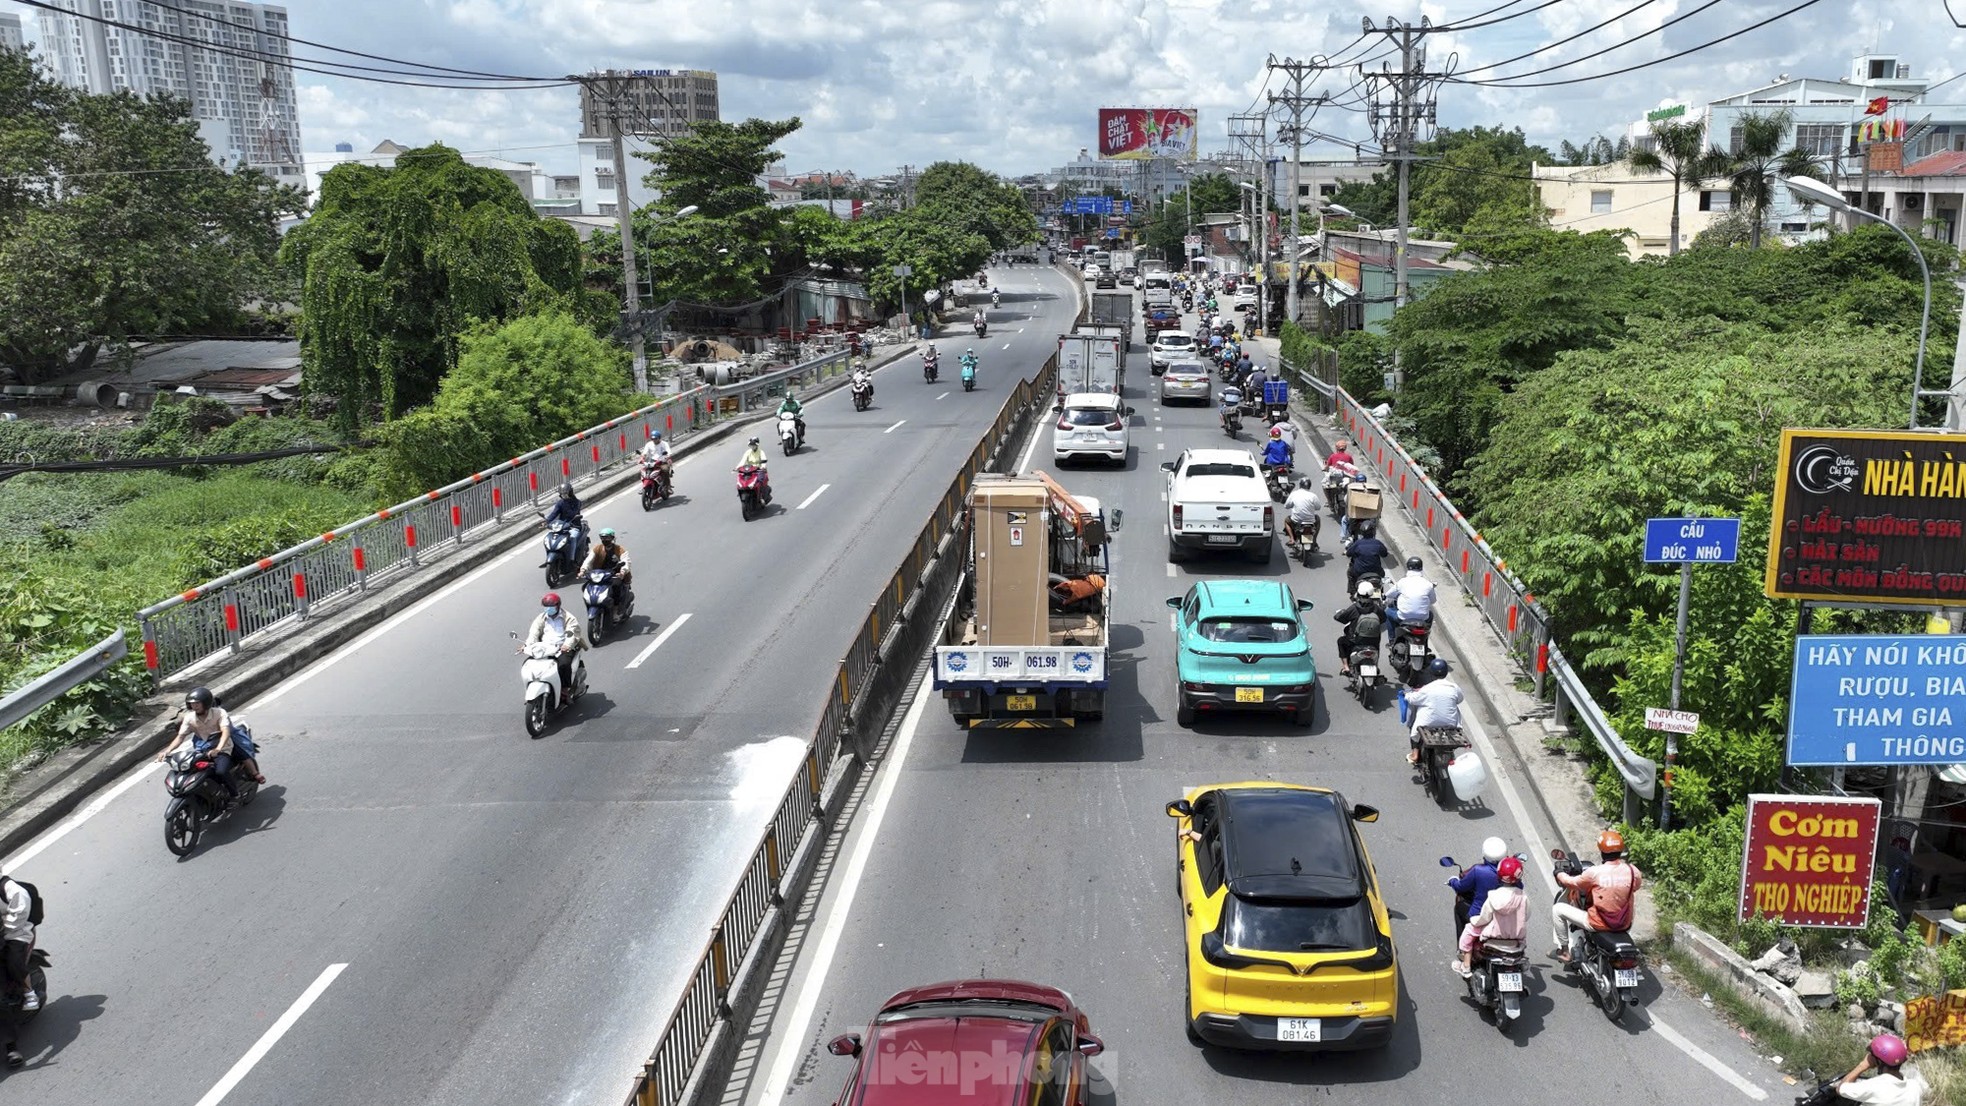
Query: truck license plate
(1249, 695)
(1022, 702)
(1221, 539)
(1299, 1030)
(1508, 981)
(1627, 977)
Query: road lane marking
(1708, 1060)
(1006, 345)
(1024, 463)
(944, 395)
(813, 496)
(790, 1047)
(95, 806)
(1170, 568)
(659, 639)
(893, 428)
(271, 1037)
(1160, 445)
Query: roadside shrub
(42, 624)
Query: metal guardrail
(1504, 601)
(72, 673)
(705, 1000)
(219, 616)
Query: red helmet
(1510, 869)
(1889, 1049)
(1276, 431)
(550, 599)
(1611, 843)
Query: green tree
(1464, 174)
(1173, 223)
(517, 386)
(1753, 168)
(115, 224)
(977, 202)
(396, 263)
(1679, 151)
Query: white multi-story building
(10, 32)
(644, 105)
(241, 88)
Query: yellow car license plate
(1249, 695)
(1022, 702)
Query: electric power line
(1500, 19)
(1563, 41)
(358, 53)
(1657, 61)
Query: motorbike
(753, 490)
(1187, 303)
(1438, 746)
(17, 1018)
(540, 672)
(1606, 958)
(1280, 479)
(982, 329)
(1410, 649)
(996, 299)
(863, 394)
(1334, 492)
(1231, 420)
(1495, 984)
(657, 483)
(198, 798)
(929, 367)
(969, 376)
(1366, 677)
(790, 434)
(605, 604)
(566, 547)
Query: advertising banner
(1807, 860)
(1136, 134)
(1878, 699)
(1869, 516)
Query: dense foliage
(1473, 182)
(115, 223)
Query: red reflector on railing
(1543, 656)
(1464, 561)
(409, 536)
(624, 442)
(150, 654)
(566, 466)
(300, 586)
(232, 617)
(457, 516)
(361, 562)
(1487, 584)
(191, 595)
(1512, 618)
(532, 480)
(597, 455)
(1430, 518)
(264, 563)
(669, 421)
(498, 499)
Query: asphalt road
(515, 917)
(1046, 855)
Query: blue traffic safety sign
(1878, 699)
(1699, 541)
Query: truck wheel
(1175, 554)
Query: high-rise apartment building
(651, 104)
(239, 80)
(10, 32)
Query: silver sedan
(1185, 380)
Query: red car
(979, 1042)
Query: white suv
(1169, 346)
(1091, 424)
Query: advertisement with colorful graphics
(1136, 134)
(1869, 516)
(1808, 859)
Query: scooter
(1438, 746)
(996, 299)
(1366, 677)
(604, 605)
(982, 329)
(198, 798)
(1495, 984)
(1281, 480)
(790, 435)
(16, 1018)
(929, 367)
(540, 673)
(1607, 958)
(753, 490)
(1410, 649)
(969, 376)
(657, 483)
(863, 395)
(1334, 492)
(1231, 420)
(566, 548)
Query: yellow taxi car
(1287, 941)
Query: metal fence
(290, 585)
(890, 629)
(1504, 601)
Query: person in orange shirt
(1611, 886)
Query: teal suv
(1240, 645)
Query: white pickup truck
(1216, 499)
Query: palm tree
(1680, 151)
(1752, 169)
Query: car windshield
(1088, 416)
(1221, 468)
(1176, 341)
(1320, 925)
(1190, 370)
(1251, 631)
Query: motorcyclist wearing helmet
(17, 951)
(556, 624)
(1434, 704)
(655, 451)
(790, 406)
(566, 509)
(1611, 885)
(1300, 511)
(1278, 451)
(1893, 1085)
(1411, 597)
(1471, 887)
(1363, 621)
(1367, 553)
(610, 554)
(1502, 916)
(208, 728)
(1357, 482)
(754, 454)
(863, 381)
(968, 359)
(1341, 455)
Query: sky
(1015, 87)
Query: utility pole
(609, 86)
(1297, 103)
(1251, 131)
(1397, 127)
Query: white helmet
(1367, 589)
(1494, 849)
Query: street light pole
(1808, 190)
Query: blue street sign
(1700, 541)
(1878, 699)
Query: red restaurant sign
(1808, 859)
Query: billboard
(1878, 699)
(1807, 860)
(1869, 516)
(1136, 134)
